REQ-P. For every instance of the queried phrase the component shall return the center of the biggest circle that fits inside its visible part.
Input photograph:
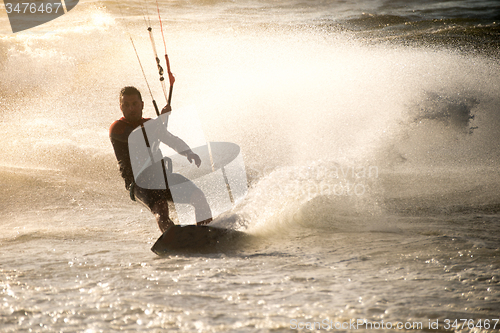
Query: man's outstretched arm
(178, 144)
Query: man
(157, 201)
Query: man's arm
(178, 144)
(118, 134)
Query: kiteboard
(179, 238)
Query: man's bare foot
(160, 211)
(204, 222)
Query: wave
(301, 104)
(318, 196)
(468, 34)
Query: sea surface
(370, 133)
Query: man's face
(131, 106)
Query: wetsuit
(118, 134)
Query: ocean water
(370, 133)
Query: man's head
(131, 104)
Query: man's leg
(202, 209)
(157, 203)
(160, 211)
(186, 192)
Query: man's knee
(160, 207)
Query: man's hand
(192, 156)
(166, 109)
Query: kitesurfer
(157, 201)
